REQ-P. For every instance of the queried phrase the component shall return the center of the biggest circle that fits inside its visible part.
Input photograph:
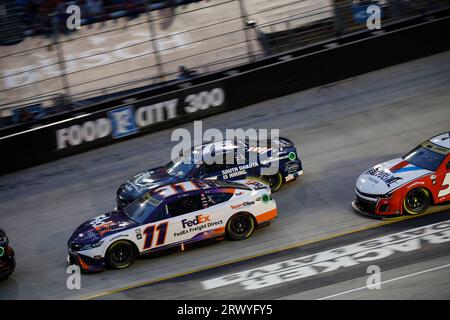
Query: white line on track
(273, 268)
(383, 282)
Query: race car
(7, 260)
(171, 216)
(407, 185)
(189, 166)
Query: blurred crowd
(37, 15)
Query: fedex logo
(198, 220)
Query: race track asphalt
(412, 258)
(341, 129)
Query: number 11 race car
(407, 185)
(171, 216)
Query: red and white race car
(407, 185)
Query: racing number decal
(446, 182)
(150, 231)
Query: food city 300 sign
(128, 120)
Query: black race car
(7, 261)
(281, 152)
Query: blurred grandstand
(124, 46)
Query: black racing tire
(121, 254)
(416, 201)
(240, 226)
(4, 278)
(275, 181)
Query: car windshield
(425, 158)
(180, 167)
(142, 209)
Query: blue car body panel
(290, 167)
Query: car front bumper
(86, 264)
(7, 263)
(373, 206)
(7, 268)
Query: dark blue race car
(7, 261)
(280, 153)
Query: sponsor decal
(386, 176)
(98, 221)
(292, 156)
(242, 205)
(106, 227)
(234, 174)
(198, 227)
(415, 184)
(265, 198)
(197, 220)
(337, 258)
(274, 159)
(130, 119)
(291, 167)
(119, 236)
(90, 235)
(138, 234)
(242, 169)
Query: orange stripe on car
(218, 231)
(82, 263)
(267, 216)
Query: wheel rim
(240, 225)
(121, 254)
(274, 181)
(416, 201)
(271, 180)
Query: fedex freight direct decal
(127, 120)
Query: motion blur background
(348, 97)
(124, 46)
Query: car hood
(142, 182)
(388, 176)
(99, 227)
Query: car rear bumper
(293, 176)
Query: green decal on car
(2, 251)
(265, 198)
(292, 156)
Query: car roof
(218, 147)
(171, 189)
(442, 140)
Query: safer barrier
(286, 74)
